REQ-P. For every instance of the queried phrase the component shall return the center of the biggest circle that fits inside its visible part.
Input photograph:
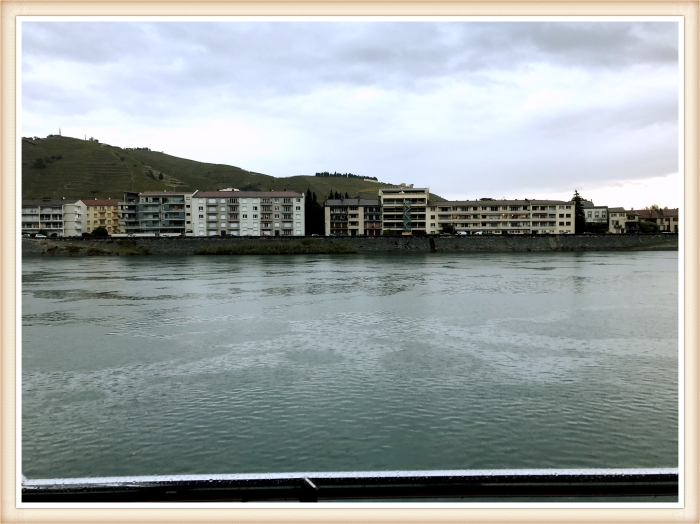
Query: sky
(470, 109)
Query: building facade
(665, 219)
(248, 213)
(596, 217)
(406, 211)
(512, 217)
(618, 220)
(352, 217)
(154, 213)
(54, 217)
(102, 213)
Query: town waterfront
(177, 365)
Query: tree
(100, 232)
(648, 228)
(160, 176)
(39, 163)
(579, 213)
(653, 207)
(347, 195)
(448, 228)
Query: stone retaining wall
(178, 246)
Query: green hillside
(76, 168)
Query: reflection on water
(136, 366)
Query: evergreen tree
(579, 214)
(346, 195)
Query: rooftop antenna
(59, 131)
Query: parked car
(315, 235)
(26, 235)
(462, 234)
(39, 235)
(479, 233)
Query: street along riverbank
(183, 246)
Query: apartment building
(406, 211)
(102, 213)
(353, 216)
(596, 216)
(248, 213)
(56, 217)
(512, 217)
(618, 220)
(156, 213)
(666, 219)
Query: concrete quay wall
(181, 246)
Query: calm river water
(145, 365)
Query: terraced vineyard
(76, 168)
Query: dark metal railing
(372, 485)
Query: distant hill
(75, 168)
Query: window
(212, 200)
(244, 208)
(298, 199)
(245, 216)
(201, 224)
(255, 216)
(561, 215)
(201, 201)
(561, 223)
(200, 208)
(222, 217)
(222, 208)
(201, 217)
(589, 214)
(568, 223)
(223, 200)
(298, 207)
(568, 215)
(223, 225)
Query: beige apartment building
(247, 213)
(406, 210)
(102, 213)
(353, 217)
(61, 218)
(512, 217)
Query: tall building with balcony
(353, 217)
(406, 211)
(154, 213)
(512, 217)
(248, 213)
(54, 217)
(102, 213)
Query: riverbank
(184, 246)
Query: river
(164, 365)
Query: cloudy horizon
(469, 109)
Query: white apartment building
(596, 216)
(407, 210)
(55, 217)
(247, 213)
(512, 217)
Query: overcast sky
(469, 109)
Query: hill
(74, 168)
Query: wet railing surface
(370, 485)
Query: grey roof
(47, 202)
(616, 209)
(248, 194)
(351, 202)
(499, 202)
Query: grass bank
(305, 247)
